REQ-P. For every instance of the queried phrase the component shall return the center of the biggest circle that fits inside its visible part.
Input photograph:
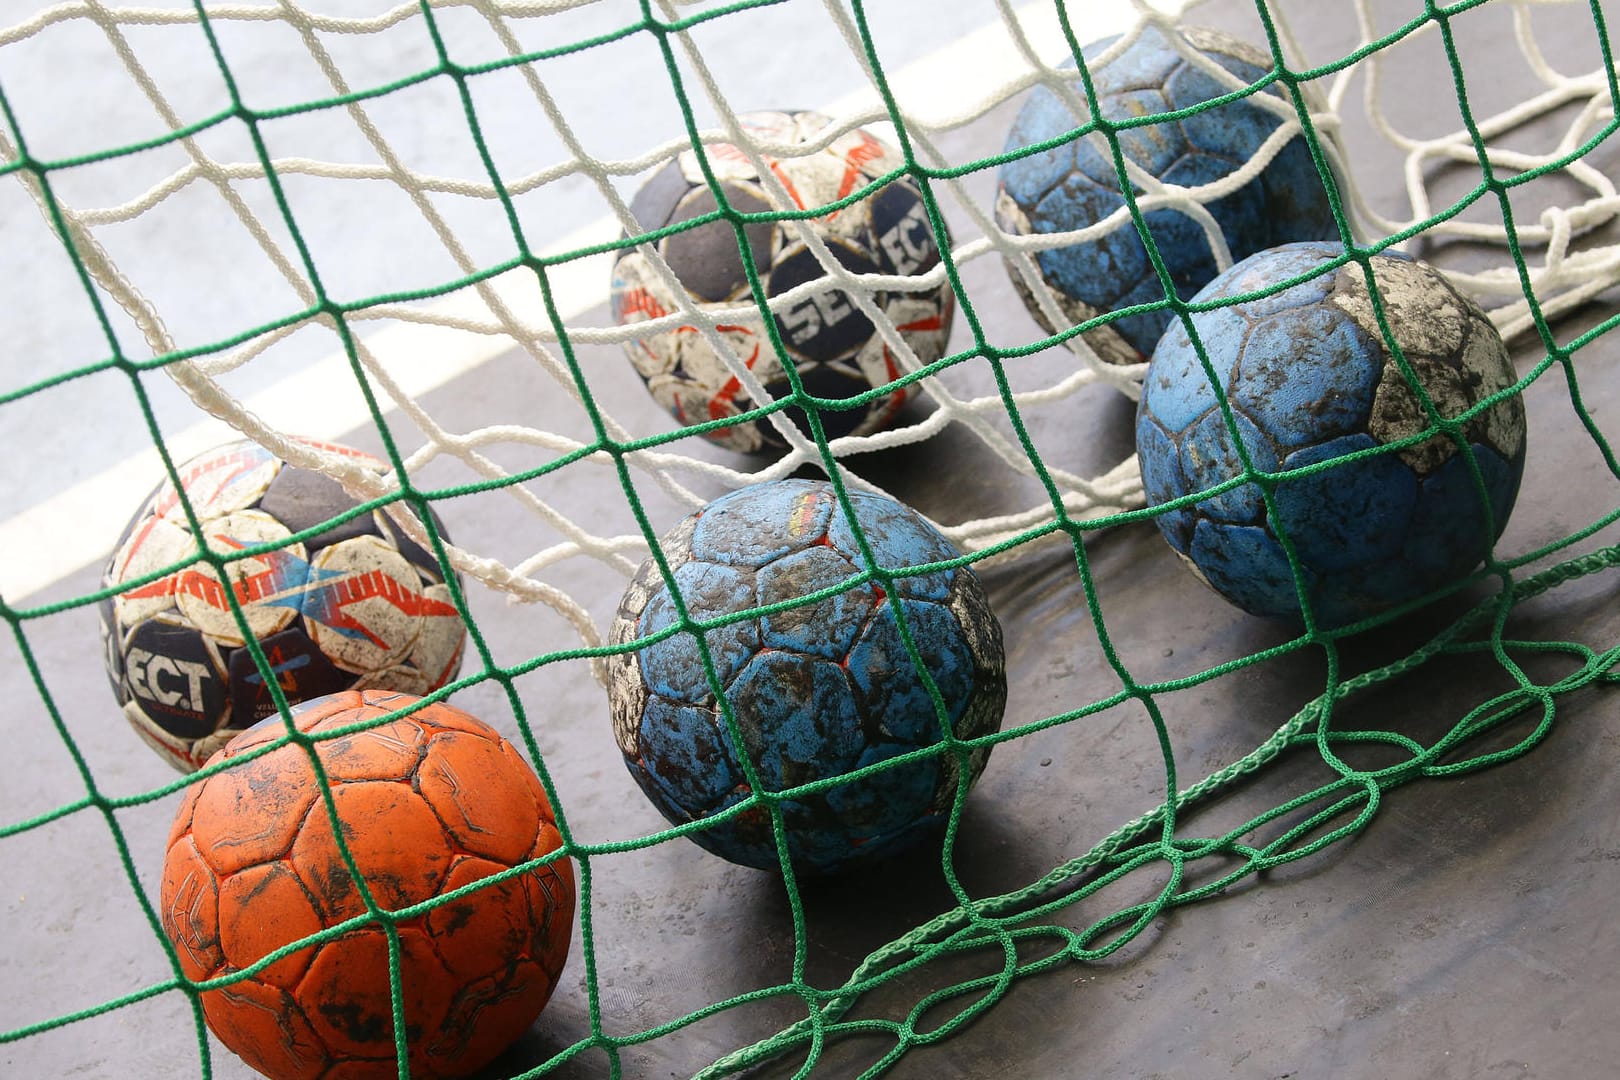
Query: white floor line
(72, 530)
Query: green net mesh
(493, 271)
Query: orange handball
(428, 804)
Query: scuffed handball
(358, 605)
(1310, 379)
(428, 803)
(818, 690)
(831, 343)
(1074, 185)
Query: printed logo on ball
(169, 670)
(299, 668)
(825, 325)
(901, 223)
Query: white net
(205, 170)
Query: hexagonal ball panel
(825, 628)
(261, 909)
(402, 864)
(478, 795)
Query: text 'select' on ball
(357, 605)
(831, 343)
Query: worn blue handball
(1310, 379)
(1075, 184)
(818, 690)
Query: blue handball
(1310, 379)
(818, 690)
(1075, 185)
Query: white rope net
(1570, 257)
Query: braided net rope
(1544, 263)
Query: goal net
(299, 220)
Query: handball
(359, 605)
(817, 690)
(1075, 184)
(831, 343)
(1310, 379)
(428, 803)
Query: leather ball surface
(428, 803)
(817, 690)
(1075, 184)
(1310, 379)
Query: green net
(399, 109)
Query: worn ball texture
(1075, 185)
(831, 343)
(358, 605)
(428, 803)
(1310, 379)
(817, 690)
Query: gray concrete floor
(1466, 933)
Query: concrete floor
(1466, 933)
